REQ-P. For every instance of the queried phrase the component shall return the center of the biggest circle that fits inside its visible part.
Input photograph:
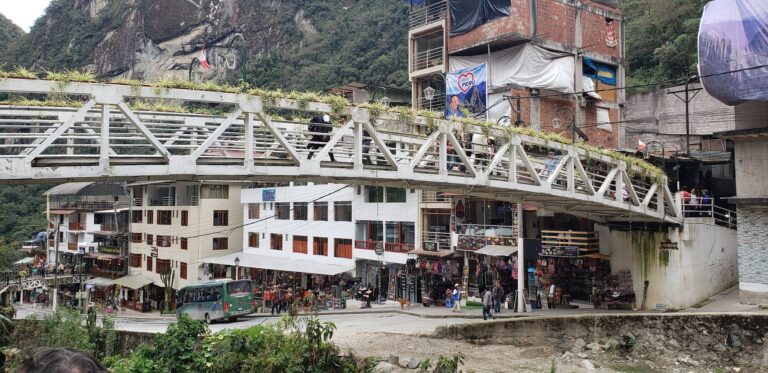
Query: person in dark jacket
(487, 304)
(498, 297)
(320, 127)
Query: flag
(610, 35)
(203, 59)
(640, 145)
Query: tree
(167, 277)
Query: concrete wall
(751, 160)
(704, 264)
(660, 116)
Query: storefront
(433, 273)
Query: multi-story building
(89, 223)
(298, 234)
(542, 51)
(174, 226)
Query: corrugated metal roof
(86, 189)
(67, 189)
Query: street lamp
(429, 94)
(385, 101)
(237, 264)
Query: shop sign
(379, 250)
(668, 245)
(268, 195)
(430, 246)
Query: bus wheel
(208, 319)
(233, 319)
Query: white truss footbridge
(107, 138)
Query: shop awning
(597, 256)
(497, 250)
(101, 282)
(435, 254)
(133, 282)
(62, 212)
(279, 264)
(101, 256)
(24, 260)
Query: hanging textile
(610, 35)
(467, 15)
(600, 71)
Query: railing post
(249, 141)
(104, 151)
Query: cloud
(23, 13)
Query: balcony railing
(72, 246)
(83, 205)
(163, 201)
(428, 14)
(108, 228)
(428, 58)
(429, 196)
(388, 246)
(719, 215)
(76, 227)
(436, 104)
(435, 241)
(138, 202)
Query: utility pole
(687, 99)
(55, 268)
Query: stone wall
(700, 339)
(753, 254)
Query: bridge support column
(520, 258)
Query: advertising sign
(466, 89)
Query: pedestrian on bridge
(319, 127)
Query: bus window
(207, 296)
(180, 298)
(216, 292)
(239, 288)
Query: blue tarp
(600, 71)
(415, 2)
(733, 50)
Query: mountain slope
(9, 32)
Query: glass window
(183, 270)
(395, 195)
(393, 232)
(369, 230)
(150, 239)
(220, 218)
(214, 191)
(342, 248)
(164, 217)
(136, 237)
(220, 243)
(276, 241)
(283, 211)
(321, 211)
(374, 194)
(184, 244)
(163, 241)
(253, 239)
(136, 216)
(136, 260)
(300, 244)
(320, 246)
(342, 211)
(184, 218)
(407, 233)
(300, 210)
(253, 211)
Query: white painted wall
(705, 263)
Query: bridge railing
(111, 132)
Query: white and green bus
(216, 300)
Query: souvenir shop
(435, 275)
(330, 289)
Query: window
(401, 232)
(220, 243)
(253, 211)
(136, 237)
(276, 241)
(150, 217)
(136, 260)
(163, 265)
(300, 244)
(183, 270)
(320, 211)
(149, 264)
(220, 218)
(342, 248)
(183, 243)
(300, 210)
(320, 246)
(374, 194)
(253, 239)
(214, 192)
(342, 211)
(184, 218)
(136, 216)
(282, 211)
(395, 195)
(164, 217)
(369, 231)
(150, 240)
(163, 241)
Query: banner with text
(466, 89)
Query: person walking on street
(487, 303)
(456, 299)
(498, 297)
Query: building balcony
(72, 246)
(76, 227)
(138, 202)
(428, 62)
(426, 15)
(389, 247)
(437, 103)
(429, 196)
(435, 241)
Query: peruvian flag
(203, 59)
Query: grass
(337, 104)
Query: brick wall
(516, 26)
(593, 34)
(556, 21)
(598, 137)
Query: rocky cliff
(9, 32)
(292, 44)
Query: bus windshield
(239, 288)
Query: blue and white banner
(466, 89)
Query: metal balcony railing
(719, 215)
(437, 103)
(389, 247)
(435, 241)
(138, 202)
(164, 201)
(428, 14)
(82, 205)
(426, 59)
(429, 196)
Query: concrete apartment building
(578, 44)
(175, 225)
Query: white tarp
(248, 260)
(499, 106)
(24, 261)
(524, 65)
(604, 120)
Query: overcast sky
(23, 12)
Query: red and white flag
(610, 35)
(203, 59)
(640, 145)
